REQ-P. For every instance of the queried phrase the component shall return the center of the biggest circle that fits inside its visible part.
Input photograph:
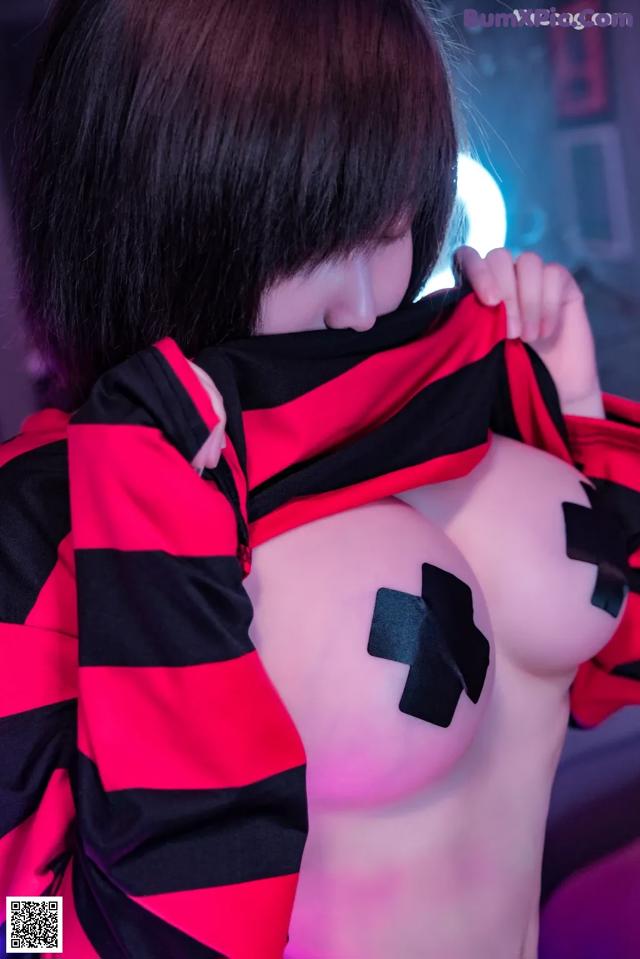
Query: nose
(353, 305)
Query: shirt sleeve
(38, 665)
(190, 777)
(608, 452)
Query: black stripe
(34, 743)
(119, 928)
(165, 840)
(222, 476)
(144, 391)
(34, 518)
(503, 417)
(629, 670)
(624, 420)
(633, 578)
(279, 368)
(625, 503)
(547, 388)
(179, 610)
(447, 416)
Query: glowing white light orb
(486, 216)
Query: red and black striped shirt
(150, 772)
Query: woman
(196, 174)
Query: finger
(211, 450)
(500, 262)
(529, 268)
(554, 282)
(213, 392)
(572, 305)
(214, 446)
(471, 265)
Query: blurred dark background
(554, 115)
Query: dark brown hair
(177, 157)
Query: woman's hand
(209, 453)
(545, 308)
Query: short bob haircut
(178, 157)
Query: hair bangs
(215, 148)
(371, 136)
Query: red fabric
(197, 718)
(609, 450)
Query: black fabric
(629, 670)
(168, 596)
(34, 518)
(624, 502)
(34, 743)
(145, 391)
(549, 392)
(277, 368)
(443, 407)
(225, 835)
(120, 928)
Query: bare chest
(429, 684)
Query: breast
(375, 632)
(522, 518)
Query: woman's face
(348, 292)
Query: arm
(38, 674)
(191, 809)
(544, 307)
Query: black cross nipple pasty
(597, 536)
(434, 634)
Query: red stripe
(247, 920)
(596, 694)
(56, 605)
(26, 850)
(38, 429)
(49, 420)
(39, 667)
(608, 450)
(532, 416)
(339, 410)
(622, 406)
(307, 508)
(194, 727)
(132, 490)
(180, 366)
